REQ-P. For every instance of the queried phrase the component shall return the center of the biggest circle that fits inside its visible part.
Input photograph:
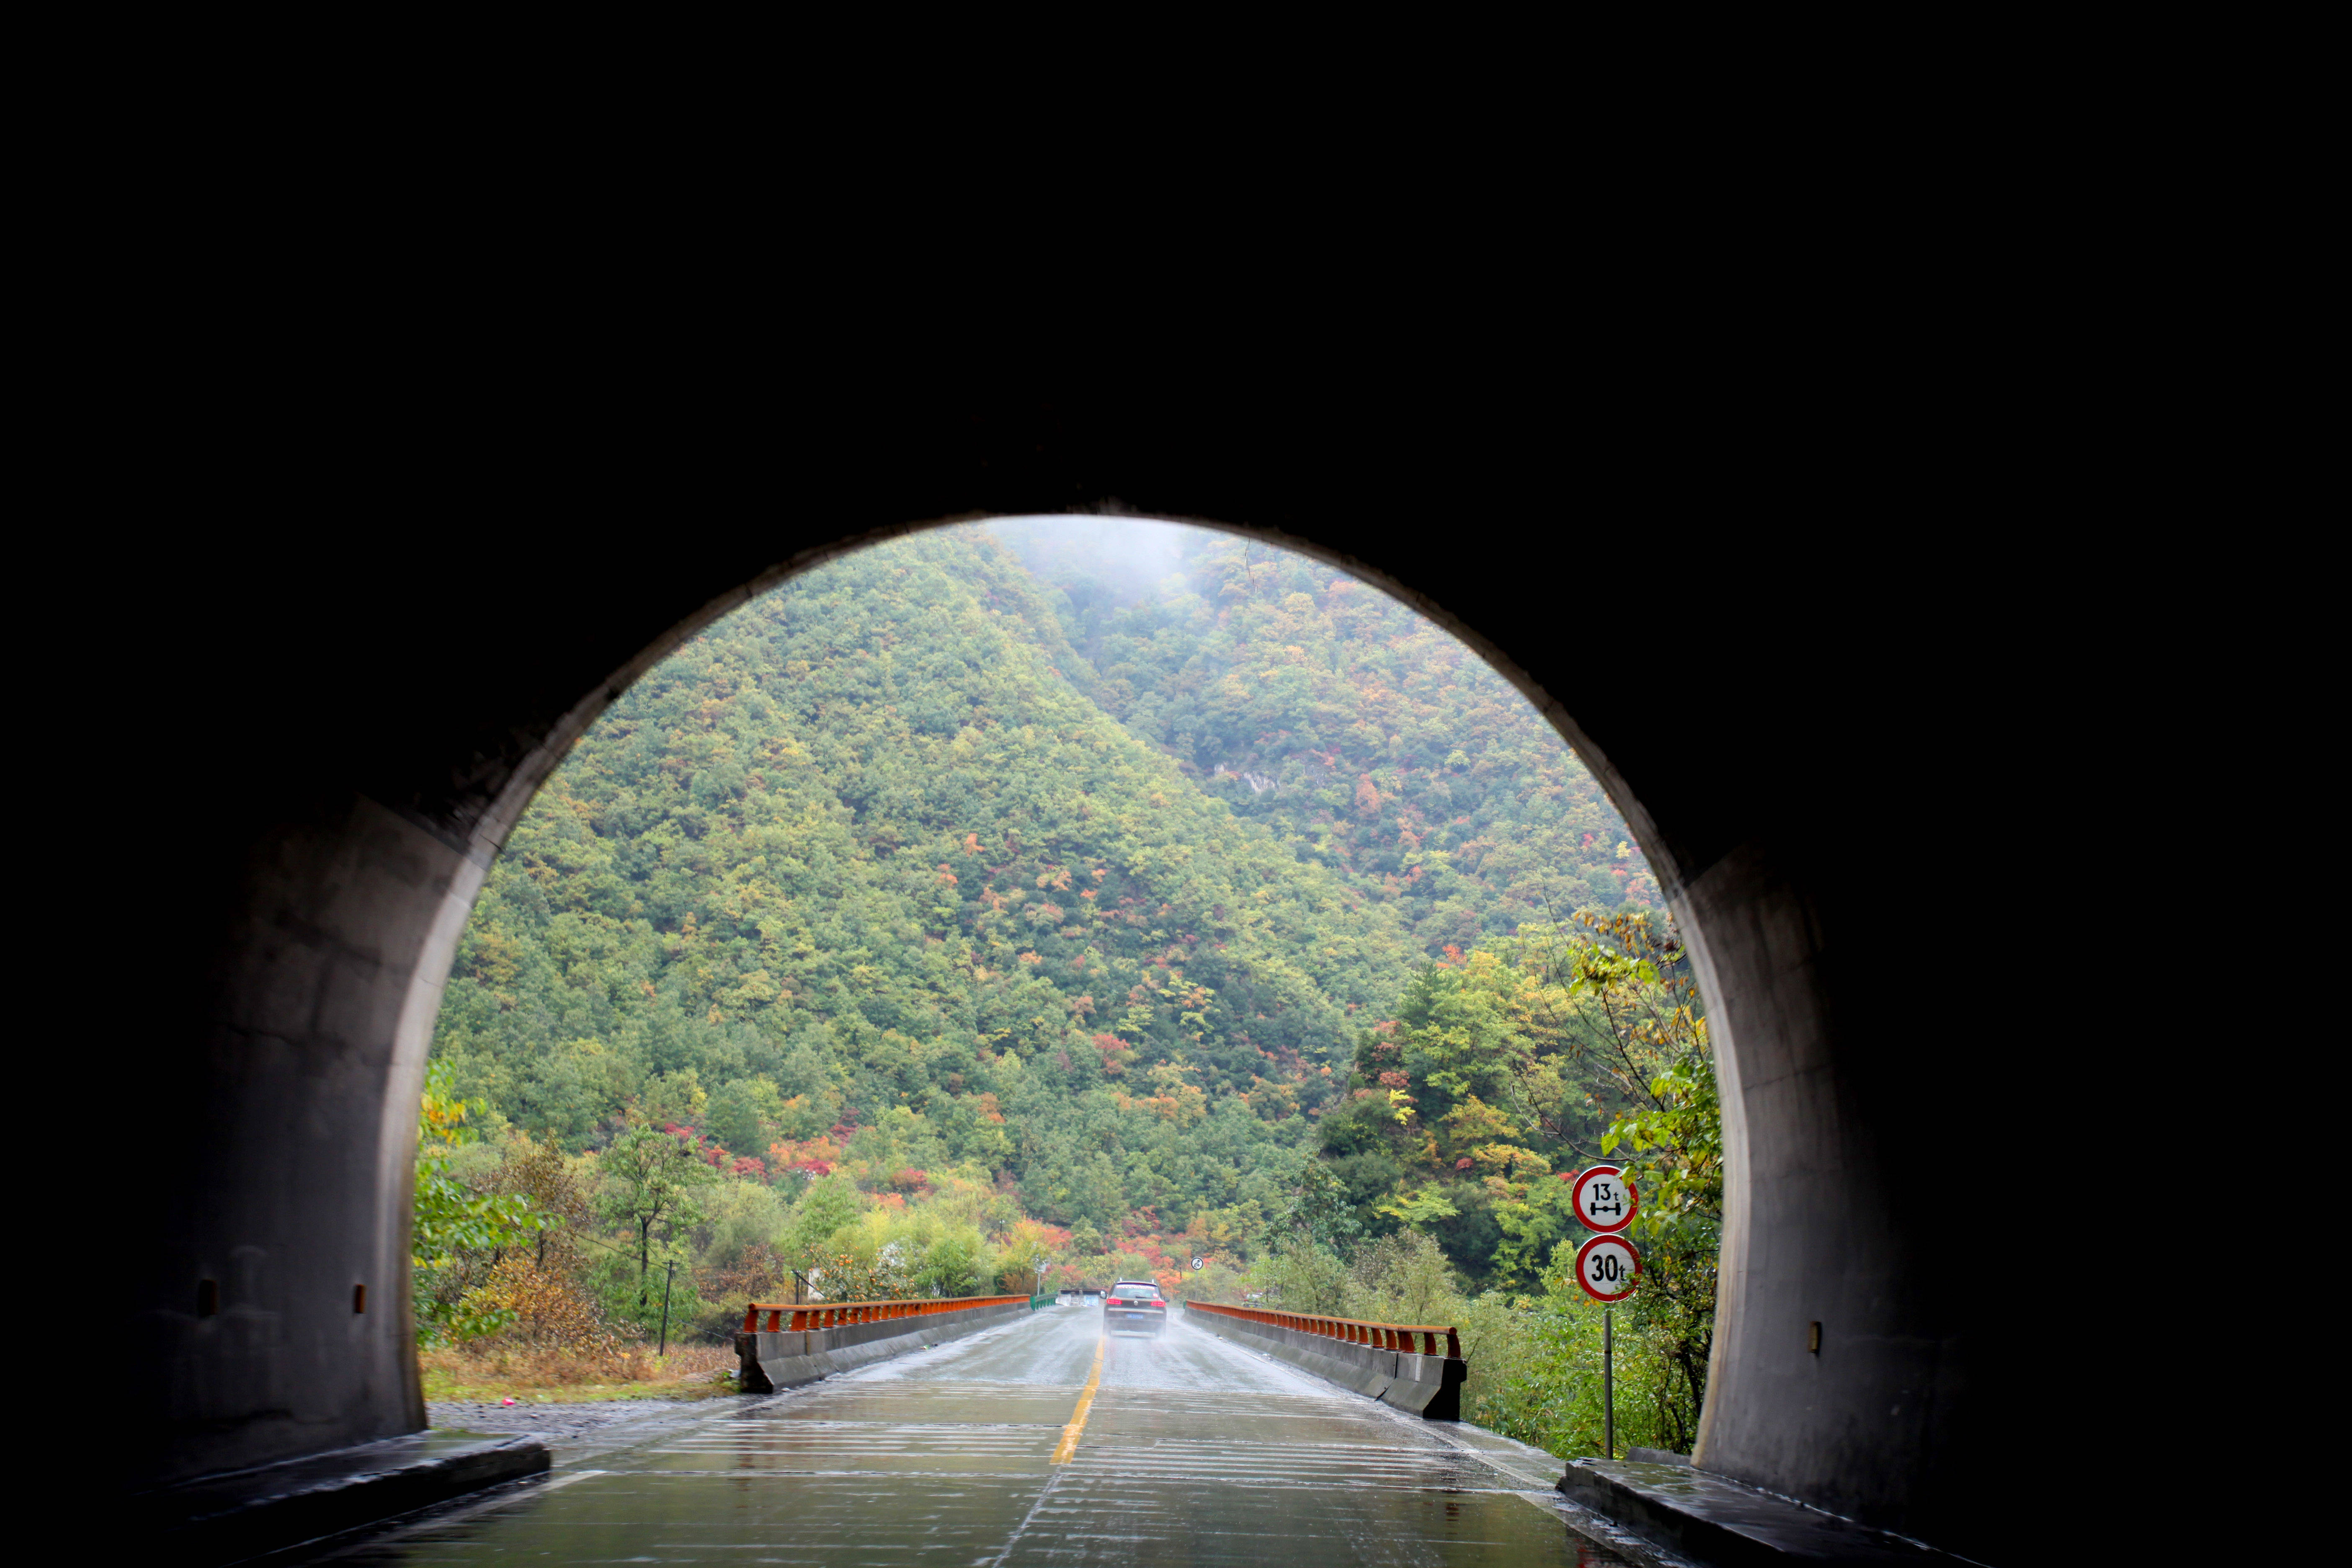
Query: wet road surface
(1188, 1449)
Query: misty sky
(1129, 555)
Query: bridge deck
(1193, 1451)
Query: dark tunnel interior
(362, 708)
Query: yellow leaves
(1511, 1160)
(1473, 1120)
(494, 958)
(441, 1118)
(1503, 1190)
(759, 987)
(1182, 1104)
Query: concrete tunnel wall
(366, 724)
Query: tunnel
(362, 701)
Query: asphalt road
(1191, 1449)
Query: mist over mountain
(1362, 734)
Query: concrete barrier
(1719, 1521)
(773, 1360)
(247, 1514)
(1428, 1385)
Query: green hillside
(1087, 891)
(859, 860)
(1363, 736)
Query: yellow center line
(1086, 1402)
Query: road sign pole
(1608, 1266)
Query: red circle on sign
(1576, 1187)
(1631, 1251)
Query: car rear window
(1136, 1293)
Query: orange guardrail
(1380, 1336)
(839, 1314)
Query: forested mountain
(1092, 889)
(1362, 735)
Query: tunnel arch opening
(1225, 614)
(346, 908)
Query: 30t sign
(1607, 1267)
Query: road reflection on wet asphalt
(1195, 1450)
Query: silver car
(1135, 1307)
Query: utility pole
(666, 1284)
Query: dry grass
(544, 1376)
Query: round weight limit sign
(1604, 1200)
(1607, 1268)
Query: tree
(1303, 1275)
(745, 1113)
(652, 1178)
(455, 1231)
(1677, 1144)
(829, 1206)
(537, 1173)
(1320, 1213)
(1615, 995)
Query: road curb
(224, 1519)
(1719, 1521)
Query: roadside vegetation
(976, 918)
(1565, 1048)
(489, 1375)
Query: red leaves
(1116, 1054)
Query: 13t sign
(1606, 1267)
(1605, 1201)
